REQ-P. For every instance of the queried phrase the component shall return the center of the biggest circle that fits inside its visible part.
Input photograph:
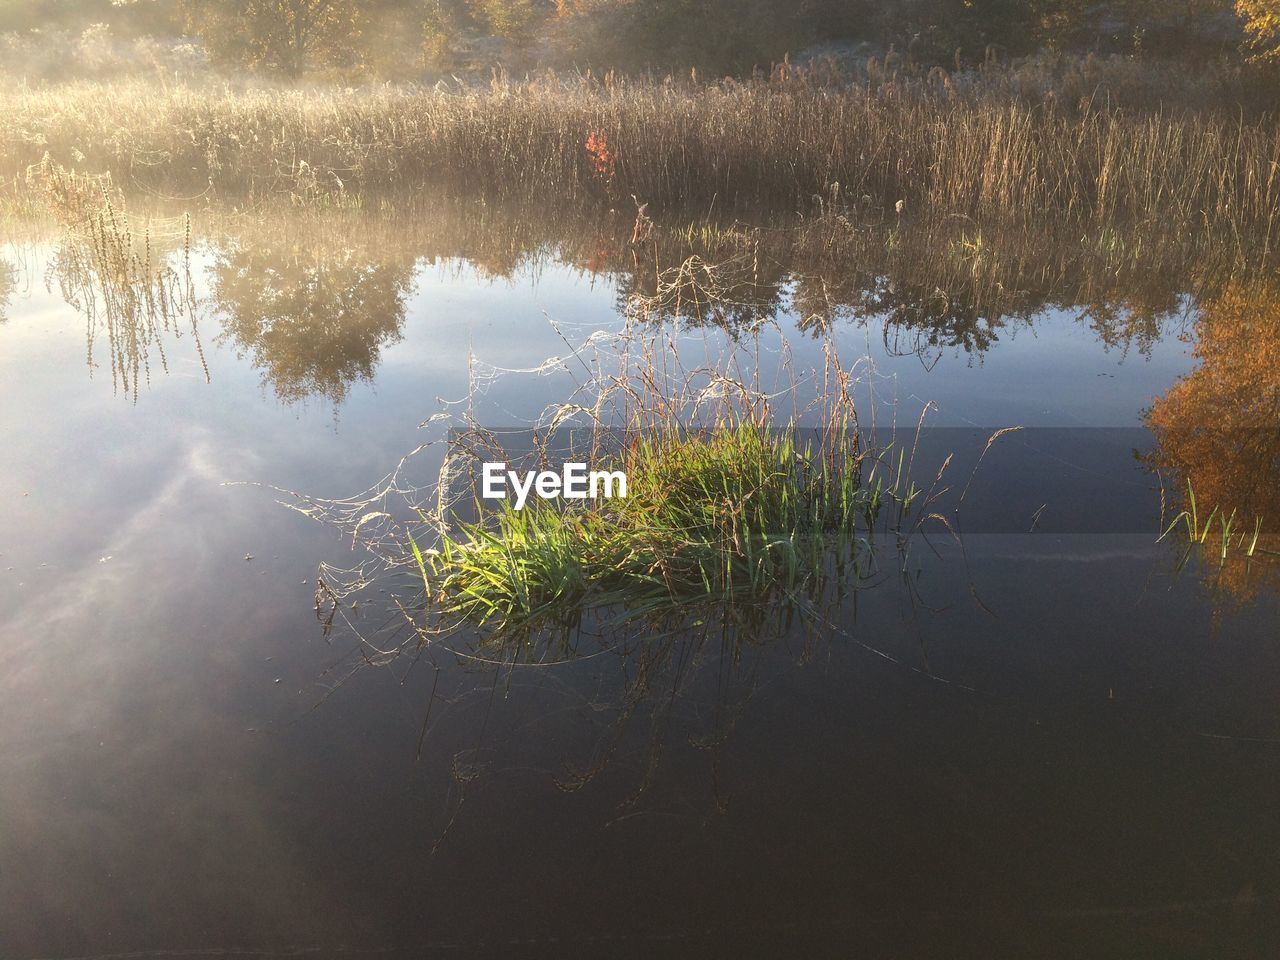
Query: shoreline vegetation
(1094, 143)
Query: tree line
(392, 37)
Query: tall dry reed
(911, 145)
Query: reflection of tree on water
(918, 316)
(1218, 428)
(931, 288)
(313, 300)
(313, 321)
(1137, 316)
(742, 292)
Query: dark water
(1046, 743)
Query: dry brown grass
(937, 145)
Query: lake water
(1047, 737)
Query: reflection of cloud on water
(107, 600)
(120, 717)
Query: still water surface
(1045, 739)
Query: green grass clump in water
(736, 513)
(1224, 537)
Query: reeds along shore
(990, 145)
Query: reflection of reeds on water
(8, 282)
(312, 297)
(125, 285)
(935, 284)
